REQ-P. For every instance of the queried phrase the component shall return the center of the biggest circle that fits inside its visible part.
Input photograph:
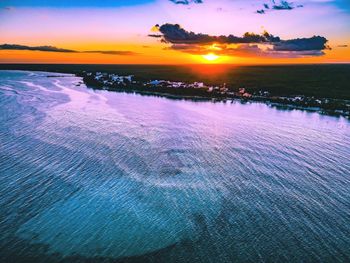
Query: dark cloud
(264, 44)
(295, 54)
(62, 50)
(342, 45)
(175, 34)
(186, 2)
(243, 50)
(254, 50)
(302, 44)
(39, 48)
(111, 52)
(281, 5)
(155, 35)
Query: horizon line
(184, 64)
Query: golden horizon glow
(154, 54)
(120, 33)
(211, 57)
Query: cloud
(302, 44)
(282, 5)
(39, 48)
(243, 50)
(62, 50)
(342, 45)
(111, 52)
(250, 44)
(8, 8)
(186, 2)
(174, 33)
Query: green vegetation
(322, 81)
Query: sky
(175, 31)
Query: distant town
(201, 91)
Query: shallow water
(95, 175)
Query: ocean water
(97, 176)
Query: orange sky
(155, 55)
(126, 28)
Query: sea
(96, 176)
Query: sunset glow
(210, 57)
(172, 32)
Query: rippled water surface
(95, 176)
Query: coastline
(274, 101)
(280, 102)
(279, 106)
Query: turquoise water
(96, 176)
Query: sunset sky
(175, 31)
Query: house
(246, 95)
(241, 91)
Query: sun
(211, 57)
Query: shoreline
(225, 99)
(270, 101)
(279, 106)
